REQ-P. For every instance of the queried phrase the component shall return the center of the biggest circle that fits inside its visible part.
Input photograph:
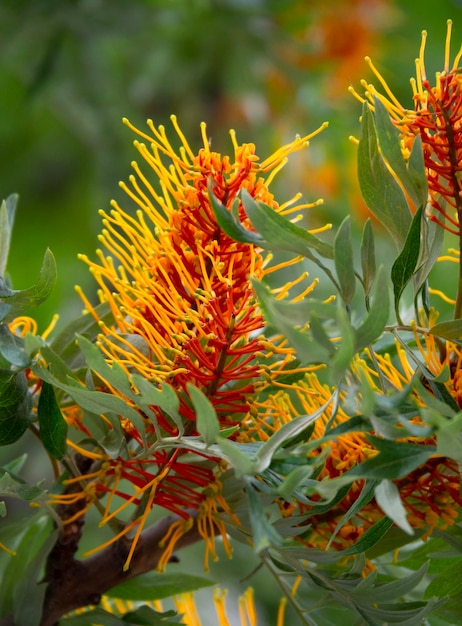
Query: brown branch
(73, 583)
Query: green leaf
(395, 460)
(280, 233)
(449, 439)
(368, 255)
(264, 535)
(7, 212)
(12, 348)
(53, 426)
(452, 330)
(155, 586)
(64, 344)
(238, 457)
(372, 536)
(404, 266)
(345, 352)
(165, 398)
(15, 406)
(413, 178)
(366, 495)
(95, 401)
(113, 374)
(382, 194)
(206, 417)
(388, 499)
(372, 327)
(24, 299)
(417, 174)
(432, 239)
(308, 351)
(343, 259)
(286, 432)
(448, 582)
(27, 538)
(229, 224)
(30, 586)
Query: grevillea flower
(430, 494)
(184, 313)
(437, 119)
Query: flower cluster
(183, 313)
(436, 118)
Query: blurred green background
(71, 69)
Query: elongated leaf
(281, 234)
(344, 263)
(12, 348)
(366, 495)
(24, 299)
(64, 344)
(451, 329)
(15, 406)
(368, 255)
(372, 327)
(287, 431)
(413, 179)
(416, 168)
(114, 374)
(264, 535)
(345, 352)
(370, 537)
(165, 398)
(53, 426)
(432, 239)
(30, 587)
(229, 224)
(238, 456)
(155, 586)
(388, 499)
(382, 194)
(404, 266)
(206, 417)
(448, 582)
(395, 460)
(308, 351)
(7, 213)
(95, 401)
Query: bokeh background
(71, 69)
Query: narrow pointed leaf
(7, 213)
(381, 192)
(229, 224)
(372, 327)
(343, 259)
(389, 141)
(24, 299)
(452, 330)
(15, 406)
(206, 417)
(388, 499)
(404, 266)
(368, 255)
(280, 233)
(53, 426)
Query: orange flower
(436, 118)
(184, 313)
